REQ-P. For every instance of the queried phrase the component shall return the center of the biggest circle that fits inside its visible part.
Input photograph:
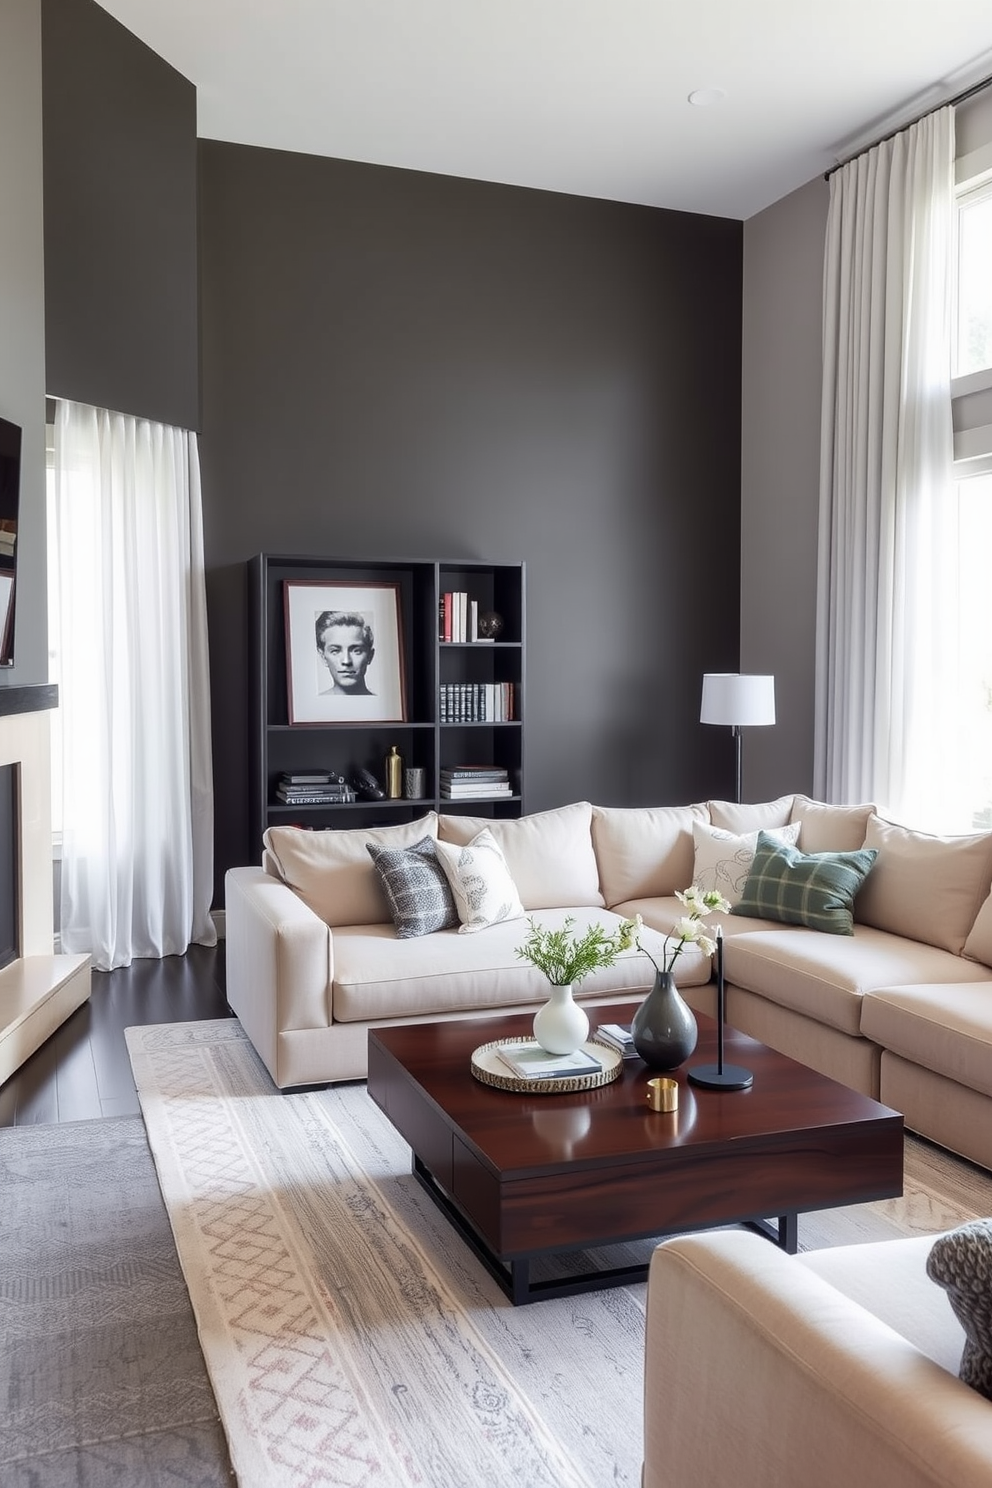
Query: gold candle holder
(663, 1094)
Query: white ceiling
(580, 96)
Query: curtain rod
(952, 102)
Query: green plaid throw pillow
(813, 889)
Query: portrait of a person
(346, 646)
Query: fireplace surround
(38, 989)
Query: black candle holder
(720, 1076)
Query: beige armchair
(829, 1369)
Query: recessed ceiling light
(706, 97)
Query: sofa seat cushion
(377, 976)
(945, 1028)
(661, 915)
(644, 851)
(826, 976)
(888, 1278)
(549, 853)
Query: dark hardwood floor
(83, 1071)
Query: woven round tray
(489, 1068)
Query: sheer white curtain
(137, 855)
(886, 634)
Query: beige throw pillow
(332, 871)
(480, 880)
(925, 887)
(644, 852)
(549, 854)
(723, 859)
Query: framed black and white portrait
(344, 652)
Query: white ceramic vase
(561, 1026)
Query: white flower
(689, 930)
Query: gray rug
(101, 1375)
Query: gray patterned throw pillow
(961, 1263)
(416, 887)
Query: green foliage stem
(564, 958)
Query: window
(973, 295)
(973, 808)
(970, 699)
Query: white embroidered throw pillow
(723, 859)
(485, 894)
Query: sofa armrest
(757, 1371)
(279, 961)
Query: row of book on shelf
(530, 1062)
(475, 783)
(476, 702)
(459, 618)
(314, 788)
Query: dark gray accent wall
(783, 340)
(403, 365)
(120, 219)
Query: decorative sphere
(490, 625)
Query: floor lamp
(739, 702)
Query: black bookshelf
(476, 668)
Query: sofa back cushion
(925, 887)
(549, 854)
(332, 871)
(826, 828)
(645, 851)
(748, 816)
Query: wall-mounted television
(10, 490)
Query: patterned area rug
(101, 1377)
(350, 1335)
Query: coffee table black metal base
(514, 1277)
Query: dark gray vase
(664, 1027)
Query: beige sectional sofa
(829, 1368)
(901, 1009)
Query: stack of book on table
(475, 783)
(313, 788)
(618, 1036)
(530, 1062)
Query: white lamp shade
(738, 700)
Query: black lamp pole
(721, 1076)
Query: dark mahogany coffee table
(526, 1175)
